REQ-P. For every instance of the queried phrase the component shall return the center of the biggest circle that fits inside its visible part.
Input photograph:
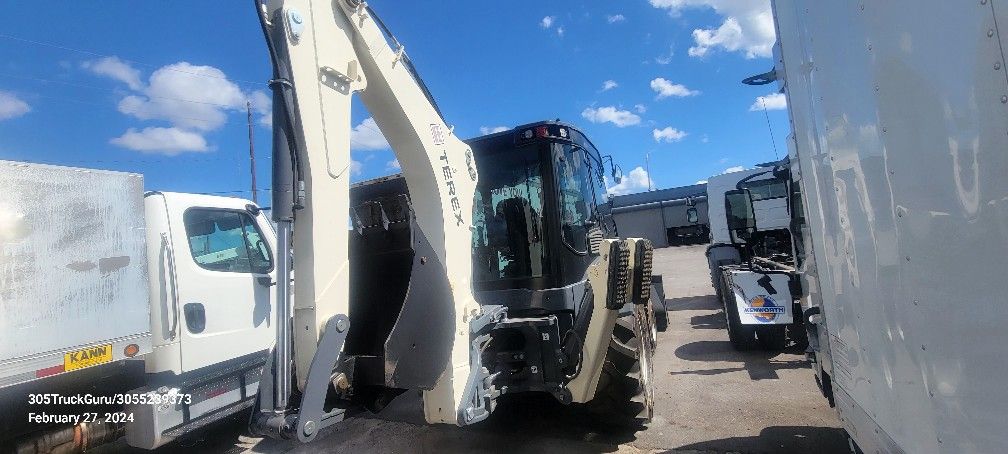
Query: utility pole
(647, 168)
(248, 109)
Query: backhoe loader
(464, 288)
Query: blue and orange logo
(764, 309)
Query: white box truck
(899, 113)
(125, 313)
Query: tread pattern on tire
(620, 395)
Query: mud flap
(762, 298)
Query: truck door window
(508, 239)
(767, 189)
(225, 240)
(576, 199)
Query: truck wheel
(742, 337)
(771, 337)
(625, 392)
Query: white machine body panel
(762, 299)
(899, 111)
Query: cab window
(226, 240)
(576, 197)
(773, 188)
(508, 240)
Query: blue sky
(160, 87)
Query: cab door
(224, 266)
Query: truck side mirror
(741, 218)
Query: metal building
(667, 217)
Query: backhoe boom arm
(323, 52)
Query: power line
(236, 191)
(772, 141)
(92, 103)
(175, 160)
(74, 84)
(98, 54)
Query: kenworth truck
(751, 256)
(124, 313)
(899, 118)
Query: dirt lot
(709, 399)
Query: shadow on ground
(781, 440)
(518, 420)
(692, 303)
(761, 365)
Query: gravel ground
(709, 399)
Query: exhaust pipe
(70, 440)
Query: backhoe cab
(541, 219)
(462, 287)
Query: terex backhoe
(392, 304)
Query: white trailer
(899, 113)
(159, 301)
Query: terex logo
(449, 175)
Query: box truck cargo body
(160, 301)
(899, 112)
(73, 269)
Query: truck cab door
(224, 271)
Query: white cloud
(640, 108)
(733, 169)
(393, 165)
(356, 167)
(11, 106)
(547, 21)
(701, 182)
(666, 88)
(262, 104)
(117, 69)
(609, 85)
(620, 118)
(367, 136)
(635, 181)
(492, 129)
(668, 135)
(775, 101)
(747, 27)
(615, 18)
(187, 96)
(723, 161)
(192, 99)
(167, 141)
(704, 139)
(560, 31)
(665, 59)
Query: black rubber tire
(772, 337)
(621, 395)
(742, 337)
